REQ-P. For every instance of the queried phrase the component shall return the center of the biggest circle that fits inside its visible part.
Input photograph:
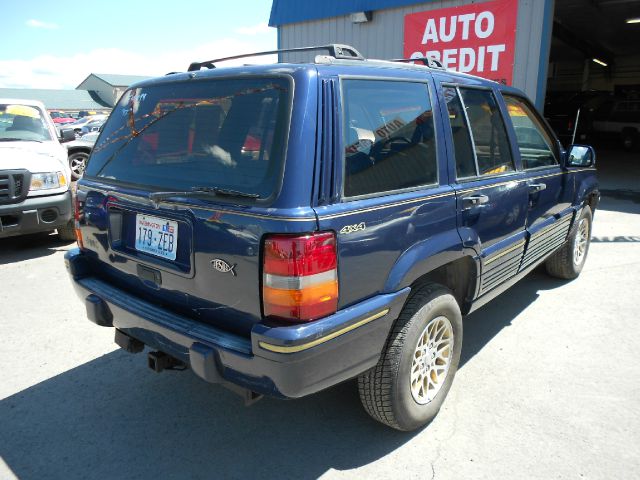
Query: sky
(52, 44)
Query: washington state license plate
(156, 236)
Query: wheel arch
(440, 259)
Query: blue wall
(293, 11)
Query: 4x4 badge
(223, 266)
(353, 228)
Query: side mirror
(581, 156)
(66, 135)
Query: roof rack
(345, 52)
(426, 61)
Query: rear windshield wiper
(200, 191)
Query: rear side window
(388, 136)
(534, 142)
(493, 154)
(463, 148)
(227, 133)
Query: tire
(68, 232)
(567, 262)
(77, 163)
(388, 391)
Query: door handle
(537, 187)
(474, 201)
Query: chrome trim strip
(386, 205)
(282, 282)
(318, 341)
(503, 253)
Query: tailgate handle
(150, 276)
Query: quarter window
(534, 142)
(389, 138)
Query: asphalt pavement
(548, 388)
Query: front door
(550, 189)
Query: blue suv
(282, 228)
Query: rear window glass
(227, 133)
(388, 136)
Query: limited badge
(223, 266)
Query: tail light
(77, 211)
(300, 276)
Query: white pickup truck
(35, 179)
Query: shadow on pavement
(113, 417)
(28, 247)
(484, 324)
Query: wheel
(68, 232)
(407, 387)
(77, 163)
(568, 261)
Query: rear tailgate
(191, 252)
(215, 276)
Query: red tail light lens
(300, 276)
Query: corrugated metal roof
(292, 11)
(58, 99)
(120, 80)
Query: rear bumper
(35, 214)
(288, 362)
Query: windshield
(22, 122)
(226, 133)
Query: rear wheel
(568, 261)
(407, 387)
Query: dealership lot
(547, 388)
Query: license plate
(156, 236)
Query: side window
(534, 141)
(465, 158)
(493, 154)
(388, 136)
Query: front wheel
(568, 261)
(407, 387)
(77, 163)
(67, 233)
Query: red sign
(479, 39)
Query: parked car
(283, 228)
(617, 120)
(92, 126)
(61, 118)
(83, 121)
(35, 179)
(79, 151)
(561, 111)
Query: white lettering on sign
(483, 26)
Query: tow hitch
(159, 361)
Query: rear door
(392, 197)
(491, 194)
(550, 188)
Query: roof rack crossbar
(426, 61)
(345, 52)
